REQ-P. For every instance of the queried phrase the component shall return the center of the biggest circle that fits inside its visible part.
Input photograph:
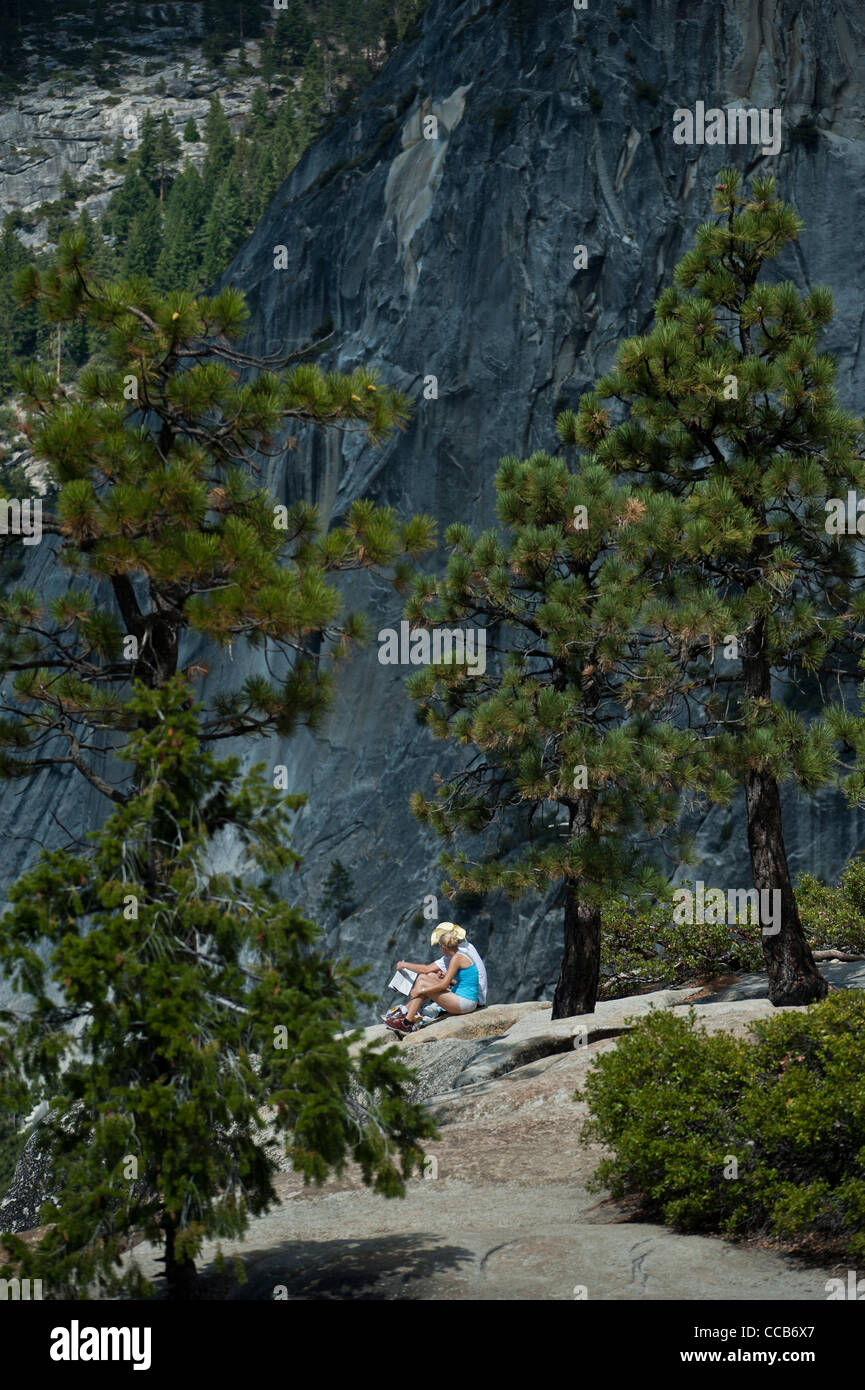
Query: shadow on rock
(383, 1268)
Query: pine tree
(167, 532)
(68, 191)
(118, 151)
(78, 342)
(267, 64)
(180, 257)
(292, 35)
(251, 18)
(572, 748)
(289, 139)
(12, 56)
(259, 119)
(183, 1002)
(337, 890)
(147, 157)
(19, 325)
(265, 183)
(220, 147)
(190, 132)
(167, 153)
(144, 243)
(311, 91)
(132, 197)
(226, 228)
(728, 408)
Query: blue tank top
(465, 982)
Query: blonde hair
(450, 941)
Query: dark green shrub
(643, 946)
(834, 916)
(406, 99)
(806, 133)
(386, 135)
(647, 91)
(502, 117)
(676, 1106)
(11, 1145)
(337, 891)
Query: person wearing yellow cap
(470, 950)
(453, 982)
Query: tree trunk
(180, 1275)
(577, 989)
(793, 974)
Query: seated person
(469, 950)
(455, 991)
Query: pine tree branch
(80, 763)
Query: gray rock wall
(454, 258)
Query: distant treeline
(89, 29)
(167, 221)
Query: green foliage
(226, 227)
(674, 1105)
(292, 35)
(647, 91)
(567, 737)
(11, 1146)
(190, 249)
(725, 411)
(183, 235)
(21, 333)
(143, 241)
(502, 117)
(642, 945)
(835, 916)
(164, 528)
(745, 471)
(220, 146)
(337, 891)
(183, 1001)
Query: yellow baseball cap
(442, 930)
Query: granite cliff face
(453, 258)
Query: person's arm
(418, 969)
(453, 968)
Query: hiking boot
(401, 1025)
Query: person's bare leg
(425, 987)
(449, 1002)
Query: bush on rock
(758, 1135)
